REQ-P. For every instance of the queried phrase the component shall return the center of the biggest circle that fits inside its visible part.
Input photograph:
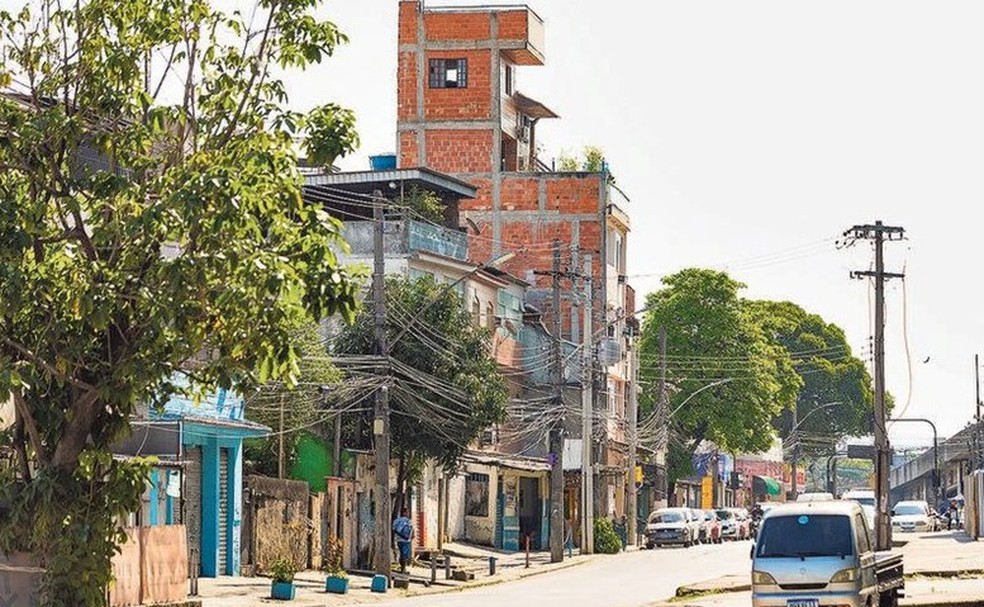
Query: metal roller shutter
(223, 511)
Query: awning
(766, 485)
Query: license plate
(803, 603)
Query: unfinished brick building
(459, 111)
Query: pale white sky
(748, 136)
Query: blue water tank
(383, 162)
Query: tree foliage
(152, 224)
(830, 374)
(445, 387)
(425, 202)
(726, 381)
(303, 404)
(592, 160)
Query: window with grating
(448, 73)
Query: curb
(961, 602)
(696, 589)
(492, 581)
(946, 574)
(690, 591)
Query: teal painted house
(199, 482)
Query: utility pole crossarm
(872, 274)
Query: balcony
(436, 239)
(407, 236)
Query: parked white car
(913, 515)
(669, 526)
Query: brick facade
(483, 135)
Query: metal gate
(222, 568)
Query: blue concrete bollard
(379, 583)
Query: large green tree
(836, 398)
(726, 380)
(151, 224)
(444, 385)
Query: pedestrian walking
(403, 529)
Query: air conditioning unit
(523, 132)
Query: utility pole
(380, 426)
(557, 428)
(977, 409)
(794, 468)
(587, 417)
(631, 503)
(664, 413)
(879, 233)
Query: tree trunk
(76, 433)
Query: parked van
(819, 553)
(819, 496)
(861, 496)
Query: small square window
(448, 73)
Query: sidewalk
(310, 585)
(944, 568)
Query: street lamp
(698, 391)
(936, 449)
(792, 432)
(492, 263)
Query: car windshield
(666, 517)
(904, 509)
(804, 535)
(709, 516)
(724, 515)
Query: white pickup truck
(819, 553)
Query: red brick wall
(469, 103)
(574, 194)
(409, 11)
(459, 151)
(483, 198)
(520, 194)
(406, 86)
(446, 26)
(513, 25)
(409, 154)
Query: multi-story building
(496, 498)
(460, 111)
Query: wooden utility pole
(380, 427)
(879, 233)
(587, 416)
(556, 430)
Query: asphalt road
(631, 579)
